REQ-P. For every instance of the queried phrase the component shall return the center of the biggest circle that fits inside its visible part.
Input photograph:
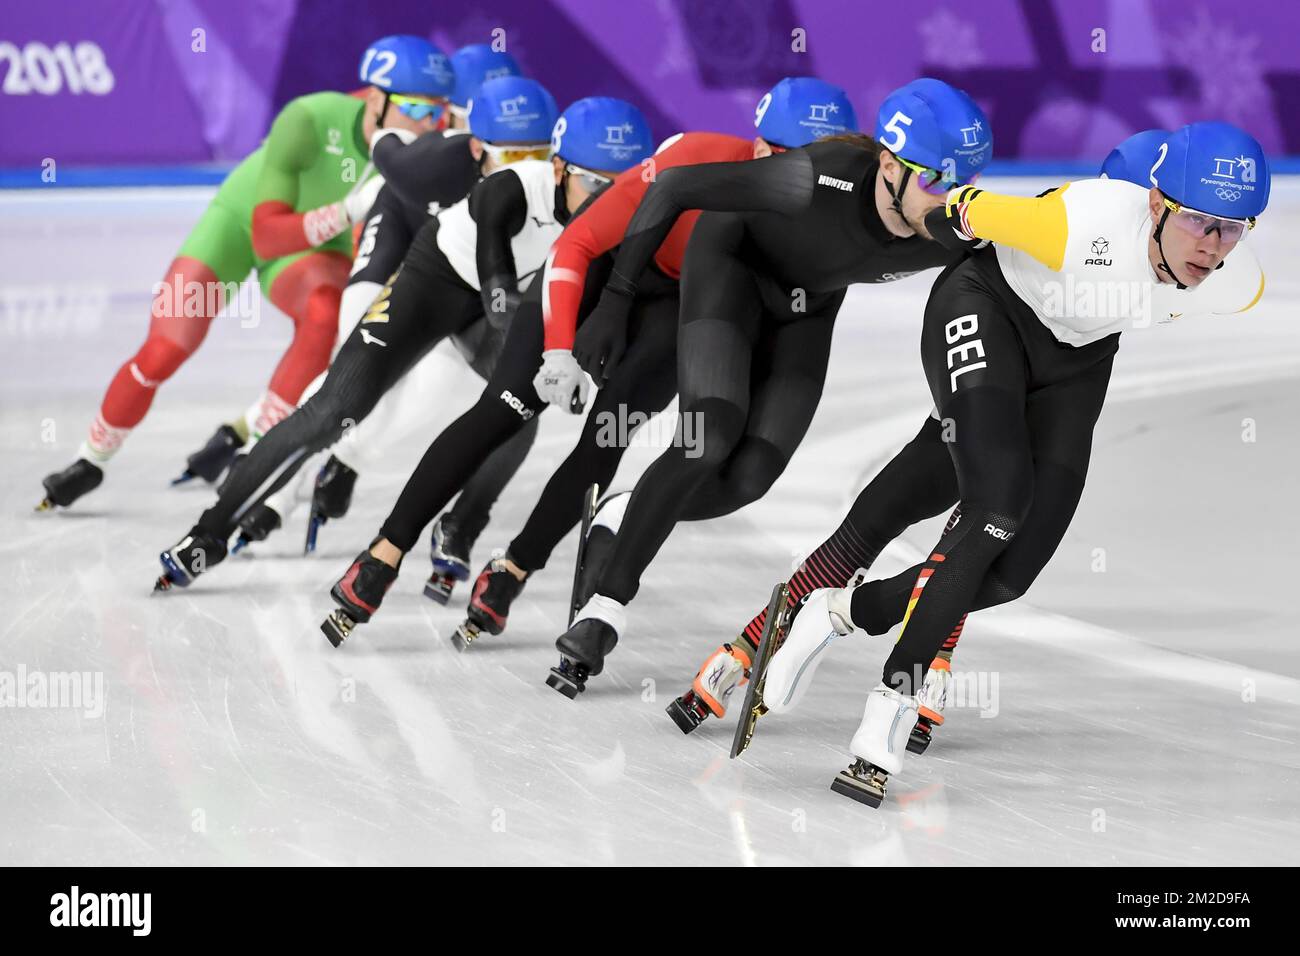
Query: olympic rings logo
(1228, 195)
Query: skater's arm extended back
(277, 228)
(432, 169)
(499, 209)
(781, 184)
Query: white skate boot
(823, 617)
(878, 745)
(930, 703)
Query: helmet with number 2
(1131, 160)
(934, 125)
(408, 64)
(1215, 168)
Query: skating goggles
(933, 181)
(418, 107)
(505, 155)
(592, 182)
(1198, 224)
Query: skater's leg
(916, 484)
(506, 405)
(721, 315)
(643, 385)
(473, 507)
(1061, 420)
(976, 367)
(789, 372)
(308, 288)
(416, 309)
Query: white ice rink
(1140, 706)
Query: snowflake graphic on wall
(1226, 64)
(950, 41)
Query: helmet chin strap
(1164, 263)
(896, 198)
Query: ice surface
(1145, 713)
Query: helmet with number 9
(935, 125)
(512, 109)
(408, 64)
(801, 109)
(474, 65)
(1131, 160)
(600, 133)
(1215, 168)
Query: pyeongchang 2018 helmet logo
(971, 146)
(618, 144)
(1232, 177)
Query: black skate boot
(583, 649)
(256, 524)
(64, 487)
(494, 592)
(450, 552)
(359, 593)
(213, 458)
(596, 544)
(191, 556)
(331, 498)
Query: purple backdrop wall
(179, 81)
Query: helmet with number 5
(408, 64)
(931, 124)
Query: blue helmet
(512, 109)
(476, 63)
(1215, 168)
(602, 133)
(1131, 160)
(932, 124)
(407, 64)
(801, 109)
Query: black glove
(943, 229)
(602, 339)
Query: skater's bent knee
(159, 358)
(715, 427)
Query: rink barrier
(211, 174)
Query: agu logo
(1100, 246)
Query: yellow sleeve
(1037, 226)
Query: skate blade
(45, 505)
(684, 716)
(337, 626)
(164, 583)
(565, 682)
(313, 528)
(438, 589)
(773, 632)
(185, 477)
(240, 544)
(869, 789)
(464, 636)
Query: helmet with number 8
(802, 109)
(512, 109)
(1215, 168)
(1131, 160)
(935, 125)
(602, 133)
(408, 64)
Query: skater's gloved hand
(561, 382)
(946, 230)
(602, 339)
(357, 203)
(405, 135)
